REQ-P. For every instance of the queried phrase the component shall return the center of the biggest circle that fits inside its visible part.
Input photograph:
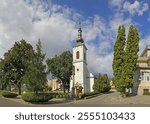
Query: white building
(142, 74)
(54, 84)
(81, 80)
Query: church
(82, 81)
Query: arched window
(77, 55)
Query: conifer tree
(118, 60)
(131, 56)
(35, 77)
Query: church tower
(80, 63)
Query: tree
(118, 60)
(106, 83)
(36, 76)
(125, 58)
(3, 83)
(131, 56)
(61, 68)
(15, 63)
(102, 84)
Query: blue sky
(55, 22)
(88, 8)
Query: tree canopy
(36, 76)
(119, 53)
(125, 58)
(102, 84)
(61, 68)
(14, 64)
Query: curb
(88, 97)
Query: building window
(77, 55)
(145, 76)
(145, 91)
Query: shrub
(1, 92)
(147, 93)
(60, 95)
(9, 94)
(36, 98)
(102, 84)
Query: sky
(55, 23)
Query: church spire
(79, 39)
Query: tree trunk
(64, 89)
(2, 87)
(9, 87)
(19, 89)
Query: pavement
(112, 99)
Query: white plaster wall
(142, 64)
(71, 84)
(91, 82)
(81, 74)
(81, 50)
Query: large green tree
(3, 83)
(118, 60)
(102, 84)
(15, 63)
(61, 68)
(36, 76)
(125, 58)
(131, 56)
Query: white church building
(82, 81)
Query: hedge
(148, 93)
(60, 95)
(9, 94)
(36, 98)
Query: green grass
(57, 91)
(146, 93)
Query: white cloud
(136, 7)
(144, 8)
(16, 22)
(56, 26)
(119, 19)
(116, 3)
(99, 63)
(93, 28)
